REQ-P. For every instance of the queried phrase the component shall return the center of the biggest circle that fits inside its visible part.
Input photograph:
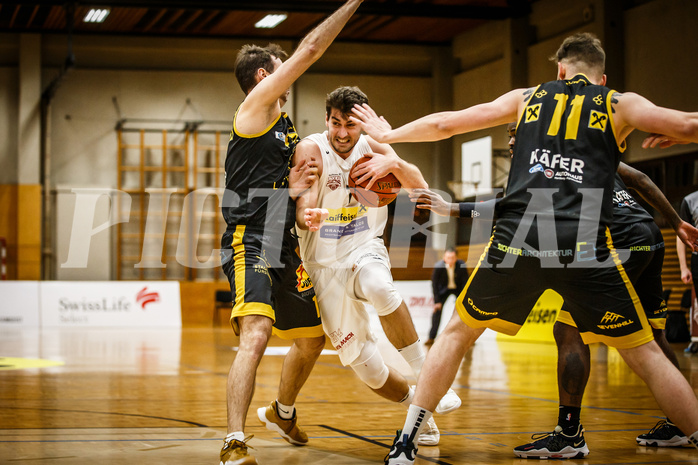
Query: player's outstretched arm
(429, 200)
(385, 160)
(442, 125)
(633, 111)
(307, 154)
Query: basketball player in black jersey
(271, 290)
(633, 229)
(552, 226)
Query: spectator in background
(449, 278)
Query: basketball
(382, 192)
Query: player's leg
(438, 374)
(297, 314)
(251, 317)
(671, 390)
(255, 331)
(374, 284)
(573, 366)
(390, 384)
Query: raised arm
(262, 101)
(443, 125)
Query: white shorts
(344, 316)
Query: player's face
(511, 130)
(342, 132)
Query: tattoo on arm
(614, 100)
(527, 93)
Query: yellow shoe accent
(234, 452)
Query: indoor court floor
(97, 396)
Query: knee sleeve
(375, 284)
(370, 367)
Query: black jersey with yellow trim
(257, 168)
(566, 149)
(626, 210)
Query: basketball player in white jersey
(343, 251)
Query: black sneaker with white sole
(403, 452)
(555, 445)
(663, 434)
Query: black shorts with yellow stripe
(644, 243)
(601, 301)
(267, 278)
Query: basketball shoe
(663, 434)
(403, 451)
(430, 434)
(448, 403)
(234, 452)
(555, 445)
(288, 429)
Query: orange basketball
(382, 192)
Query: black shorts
(601, 301)
(270, 280)
(645, 244)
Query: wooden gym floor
(94, 396)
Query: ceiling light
(270, 21)
(96, 15)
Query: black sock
(568, 419)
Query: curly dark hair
(344, 98)
(250, 58)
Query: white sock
(694, 439)
(417, 417)
(414, 355)
(239, 435)
(285, 412)
(407, 401)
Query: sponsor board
(110, 304)
(19, 305)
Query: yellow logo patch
(303, 282)
(598, 120)
(532, 113)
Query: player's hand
(378, 166)
(688, 235)
(314, 217)
(686, 276)
(302, 176)
(429, 200)
(372, 124)
(654, 140)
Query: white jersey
(350, 225)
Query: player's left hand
(314, 217)
(302, 176)
(378, 166)
(688, 235)
(372, 124)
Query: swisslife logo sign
(111, 304)
(144, 297)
